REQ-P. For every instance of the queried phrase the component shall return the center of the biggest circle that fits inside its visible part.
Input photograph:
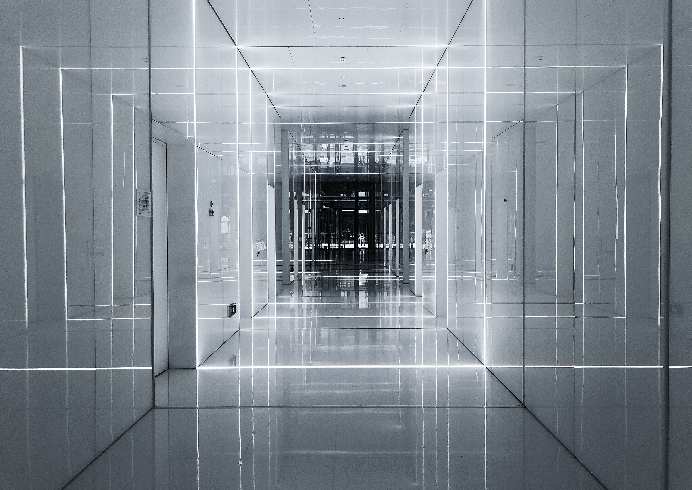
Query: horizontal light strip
(336, 68)
(349, 366)
(106, 319)
(351, 317)
(582, 367)
(419, 301)
(423, 366)
(134, 368)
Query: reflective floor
(346, 382)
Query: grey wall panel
(160, 256)
(182, 255)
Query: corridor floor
(346, 382)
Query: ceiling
(334, 71)
(321, 64)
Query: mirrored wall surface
(547, 147)
(76, 303)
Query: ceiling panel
(329, 61)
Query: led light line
(123, 368)
(346, 366)
(242, 56)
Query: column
(385, 237)
(182, 256)
(296, 229)
(418, 225)
(391, 236)
(405, 232)
(441, 203)
(245, 253)
(371, 224)
(529, 203)
(159, 256)
(285, 213)
(301, 226)
(356, 231)
(397, 240)
(271, 244)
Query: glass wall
(215, 116)
(76, 241)
(680, 299)
(206, 97)
(546, 144)
(554, 221)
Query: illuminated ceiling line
(433, 72)
(242, 56)
(440, 60)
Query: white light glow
(23, 136)
(62, 369)
(348, 366)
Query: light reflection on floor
(347, 381)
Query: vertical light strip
(615, 264)
(660, 184)
(664, 255)
(624, 207)
(484, 178)
(557, 159)
(237, 166)
(583, 263)
(617, 198)
(64, 252)
(112, 237)
(252, 224)
(664, 287)
(196, 170)
(254, 448)
(64, 209)
(523, 209)
(197, 434)
(422, 166)
(447, 166)
(24, 217)
(134, 235)
(483, 246)
(237, 181)
(583, 215)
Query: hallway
(295, 244)
(346, 382)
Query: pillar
(530, 203)
(285, 213)
(405, 232)
(385, 237)
(182, 256)
(296, 229)
(271, 244)
(391, 235)
(441, 204)
(397, 239)
(418, 226)
(245, 252)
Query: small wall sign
(144, 203)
